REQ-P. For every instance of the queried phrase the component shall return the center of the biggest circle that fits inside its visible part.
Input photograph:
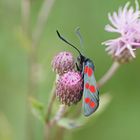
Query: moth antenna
(63, 39)
(77, 31)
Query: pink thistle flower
(69, 87)
(125, 22)
(63, 62)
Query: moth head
(81, 59)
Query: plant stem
(114, 67)
(25, 11)
(61, 111)
(47, 132)
(41, 21)
(32, 59)
(50, 105)
(25, 7)
(60, 134)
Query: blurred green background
(120, 121)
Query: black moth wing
(90, 99)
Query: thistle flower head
(125, 22)
(63, 62)
(69, 87)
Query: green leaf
(105, 99)
(37, 109)
(68, 123)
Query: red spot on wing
(92, 104)
(87, 100)
(92, 89)
(87, 85)
(90, 71)
(86, 69)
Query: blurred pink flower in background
(125, 22)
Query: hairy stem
(61, 111)
(107, 76)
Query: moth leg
(77, 66)
(83, 70)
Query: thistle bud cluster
(69, 83)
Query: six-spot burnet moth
(90, 92)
